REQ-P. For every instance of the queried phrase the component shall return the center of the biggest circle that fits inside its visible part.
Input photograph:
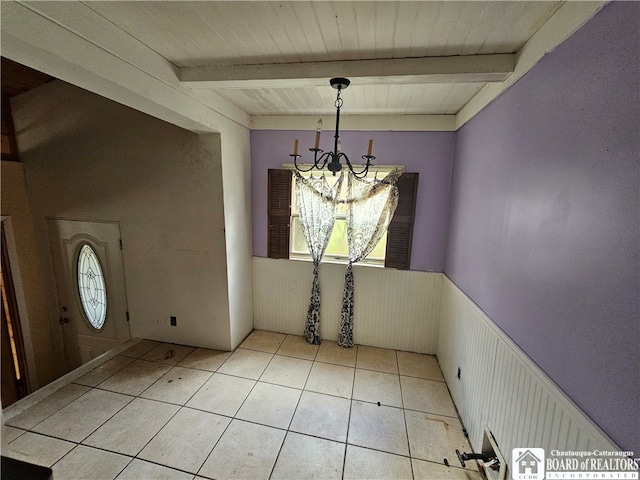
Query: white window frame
(343, 259)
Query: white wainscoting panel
(396, 309)
(501, 389)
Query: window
(338, 249)
(285, 239)
(91, 287)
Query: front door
(89, 275)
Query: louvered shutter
(400, 230)
(279, 213)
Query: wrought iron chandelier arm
(319, 162)
(365, 168)
(295, 163)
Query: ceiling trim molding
(398, 123)
(560, 26)
(453, 69)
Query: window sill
(338, 261)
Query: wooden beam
(457, 69)
(399, 123)
(77, 45)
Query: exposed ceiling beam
(76, 45)
(458, 69)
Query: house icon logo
(527, 464)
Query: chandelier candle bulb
(331, 159)
(318, 132)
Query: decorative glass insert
(91, 286)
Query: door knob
(63, 320)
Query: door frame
(16, 276)
(55, 307)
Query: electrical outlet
(174, 321)
(458, 375)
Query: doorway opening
(15, 383)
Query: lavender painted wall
(544, 232)
(429, 153)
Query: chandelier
(332, 159)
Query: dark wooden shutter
(279, 213)
(400, 231)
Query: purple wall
(544, 228)
(429, 153)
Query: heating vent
(502, 389)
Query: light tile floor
(275, 408)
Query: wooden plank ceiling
(273, 58)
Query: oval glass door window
(91, 287)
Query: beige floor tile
(304, 457)
(104, 371)
(89, 463)
(140, 348)
(287, 371)
(245, 451)
(9, 434)
(77, 420)
(168, 353)
(378, 359)
(186, 441)
(428, 471)
(271, 405)
(205, 359)
(331, 379)
(322, 416)
(427, 396)
(141, 470)
(434, 437)
(418, 365)
(129, 430)
(177, 385)
(381, 428)
(222, 394)
(295, 346)
(372, 386)
(370, 464)
(38, 449)
(262, 341)
(135, 378)
(246, 363)
(47, 407)
(331, 352)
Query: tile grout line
(234, 417)
(77, 444)
(237, 410)
(404, 417)
(346, 438)
(294, 410)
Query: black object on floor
(13, 469)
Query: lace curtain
(317, 208)
(370, 208)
